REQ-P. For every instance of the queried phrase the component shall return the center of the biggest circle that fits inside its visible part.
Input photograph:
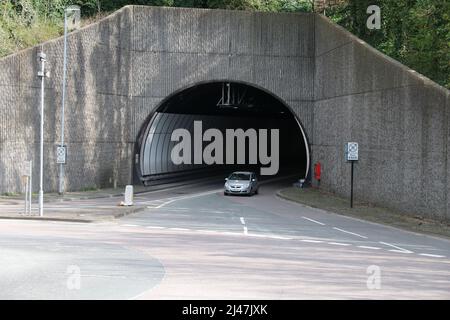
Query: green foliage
(414, 32)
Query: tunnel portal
(207, 119)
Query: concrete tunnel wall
(341, 89)
(122, 67)
(399, 118)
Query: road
(195, 243)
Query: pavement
(193, 242)
(82, 206)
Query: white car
(241, 182)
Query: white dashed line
(130, 225)
(280, 237)
(179, 229)
(369, 247)
(311, 241)
(431, 255)
(345, 231)
(155, 227)
(322, 224)
(242, 220)
(339, 244)
(245, 231)
(398, 249)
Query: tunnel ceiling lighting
(231, 97)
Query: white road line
(369, 247)
(231, 233)
(179, 229)
(155, 227)
(322, 224)
(398, 248)
(339, 244)
(245, 231)
(170, 200)
(242, 220)
(280, 237)
(400, 251)
(130, 225)
(345, 231)
(311, 241)
(431, 255)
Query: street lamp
(42, 74)
(74, 12)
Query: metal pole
(351, 186)
(26, 194)
(30, 192)
(41, 174)
(61, 166)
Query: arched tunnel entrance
(217, 127)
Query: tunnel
(218, 127)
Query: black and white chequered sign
(352, 151)
(61, 154)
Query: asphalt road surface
(195, 243)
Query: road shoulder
(315, 198)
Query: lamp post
(75, 11)
(42, 74)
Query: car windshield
(239, 176)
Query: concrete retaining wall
(340, 88)
(399, 118)
(121, 68)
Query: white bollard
(128, 195)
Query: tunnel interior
(225, 107)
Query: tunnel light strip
(306, 146)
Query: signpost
(71, 21)
(351, 154)
(61, 154)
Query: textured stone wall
(121, 68)
(399, 118)
(340, 88)
(97, 121)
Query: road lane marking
(339, 244)
(155, 227)
(167, 201)
(312, 220)
(245, 231)
(280, 237)
(355, 234)
(179, 229)
(398, 249)
(431, 255)
(311, 241)
(369, 247)
(130, 225)
(242, 220)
